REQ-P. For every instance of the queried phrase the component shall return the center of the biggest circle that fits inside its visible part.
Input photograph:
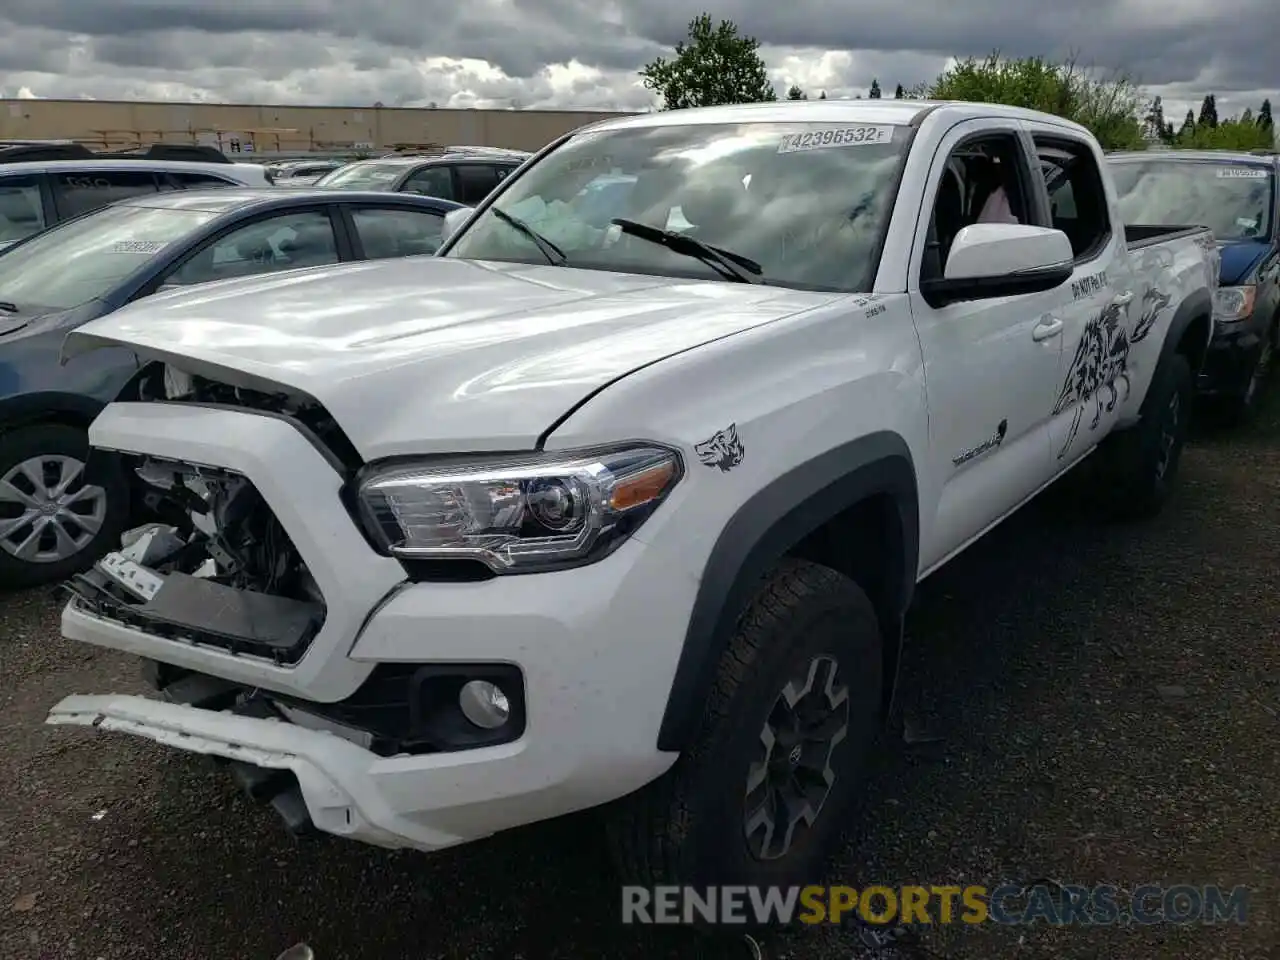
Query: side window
(982, 182)
(430, 182)
(77, 193)
(1077, 197)
(191, 181)
(21, 212)
(475, 182)
(283, 242)
(386, 232)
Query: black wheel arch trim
(44, 406)
(772, 522)
(1198, 305)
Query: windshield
(1232, 199)
(369, 175)
(84, 258)
(807, 202)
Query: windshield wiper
(7, 307)
(555, 256)
(733, 265)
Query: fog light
(484, 704)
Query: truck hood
(1239, 257)
(429, 355)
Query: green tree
(1188, 126)
(823, 95)
(1264, 116)
(875, 89)
(1113, 109)
(795, 93)
(899, 94)
(1208, 112)
(716, 65)
(1234, 133)
(1154, 127)
(1247, 116)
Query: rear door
(1093, 380)
(475, 181)
(382, 233)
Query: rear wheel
(52, 522)
(762, 793)
(1139, 465)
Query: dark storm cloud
(1157, 41)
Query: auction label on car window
(138, 246)
(1243, 173)
(835, 137)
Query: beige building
(101, 124)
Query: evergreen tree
(875, 89)
(1153, 127)
(1264, 116)
(823, 95)
(899, 94)
(1208, 112)
(795, 93)
(1188, 125)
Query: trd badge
(723, 449)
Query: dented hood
(433, 355)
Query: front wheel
(1244, 408)
(52, 522)
(761, 794)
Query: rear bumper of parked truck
(593, 651)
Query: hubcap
(1169, 435)
(792, 774)
(47, 511)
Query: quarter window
(82, 191)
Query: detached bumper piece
(202, 611)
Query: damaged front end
(217, 568)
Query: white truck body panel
(993, 399)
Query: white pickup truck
(605, 512)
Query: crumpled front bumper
(340, 782)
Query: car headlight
(1232, 304)
(519, 513)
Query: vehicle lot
(1045, 657)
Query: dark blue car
(52, 523)
(1234, 194)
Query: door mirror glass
(1001, 260)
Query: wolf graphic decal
(1098, 370)
(722, 449)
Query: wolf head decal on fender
(722, 449)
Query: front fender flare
(764, 528)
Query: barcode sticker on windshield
(1243, 173)
(138, 246)
(835, 137)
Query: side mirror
(1001, 260)
(453, 221)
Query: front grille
(232, 577)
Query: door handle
(1046, 328)
(1124, 299)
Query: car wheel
(763, 792)
(52, 522)
(1140, 465)
(1244, 407)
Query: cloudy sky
(585, 53)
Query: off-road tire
(60, 440)
(1139, 466)
(688, 827)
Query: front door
(991, 365)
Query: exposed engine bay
(215, 567)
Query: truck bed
(1139, 235)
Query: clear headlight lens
(1231, 304)
(518, 513)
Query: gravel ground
(1107, 698)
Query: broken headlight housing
(519, 513)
